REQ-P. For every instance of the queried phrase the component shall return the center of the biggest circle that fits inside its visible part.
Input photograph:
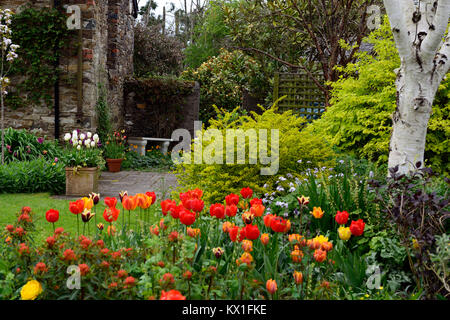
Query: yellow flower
(31, 290)
(320, 239)
(344, 233)
(88, 203)
(317, 212)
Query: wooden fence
(302, 95)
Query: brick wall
(107, 58)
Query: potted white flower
(83, 158)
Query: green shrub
(152, 159)
(21, 145)
(218, 180)
(222, 79)
(359, 118)
(32, 176)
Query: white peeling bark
(424, 62)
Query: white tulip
(92, 144)
(82, 136)
(75, 134)
(89, 135)
(67, 137)
(87, 142)
(95, 137)
(74, 141)
(78, 147)
(80, 142)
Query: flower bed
(185, 248)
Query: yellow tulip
(344, 233)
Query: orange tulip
(247, 245)
(128, 202)
(257, 210)
(320, 255)
(298, 277)
(271, 286)
(88, 203)
(317, 212)
(296, 256)
(264, 238)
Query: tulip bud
(298, 277)
(100, 226)
(247, 217)
(265, 238)
(271, 286)
(218, 252)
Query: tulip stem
(78, 224)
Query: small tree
(419, 28)
(8, 54)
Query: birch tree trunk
(418, 32)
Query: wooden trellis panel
(302, 94)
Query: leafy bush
(222, 79)
(294, 145)
(151, 159)
(420, 216)
(359, 118)
(156, 53)
(37, 175)
(22, 145)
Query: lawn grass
(40, 203)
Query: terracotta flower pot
(114, 164)
(81, 181)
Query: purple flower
(40, 140)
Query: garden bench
(139, 144)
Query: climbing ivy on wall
(38, 32)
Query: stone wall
(107, 57)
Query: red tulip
(237, 234)
(231, 210)
(111, 202)
(187, 217)
(111, 214)
(268, 219)
(76, 207)
(151, 194)
(52, 215)
(341, 217)
(166, 206)
(251, 232)
(196, 205)
(232, 199)
(278, 224)
(175, 211)
(246, 193)
(357, 227)
(255, 201)
(217, 210)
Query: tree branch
(431, 42)
(394, 9)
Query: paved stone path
(110, 184)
